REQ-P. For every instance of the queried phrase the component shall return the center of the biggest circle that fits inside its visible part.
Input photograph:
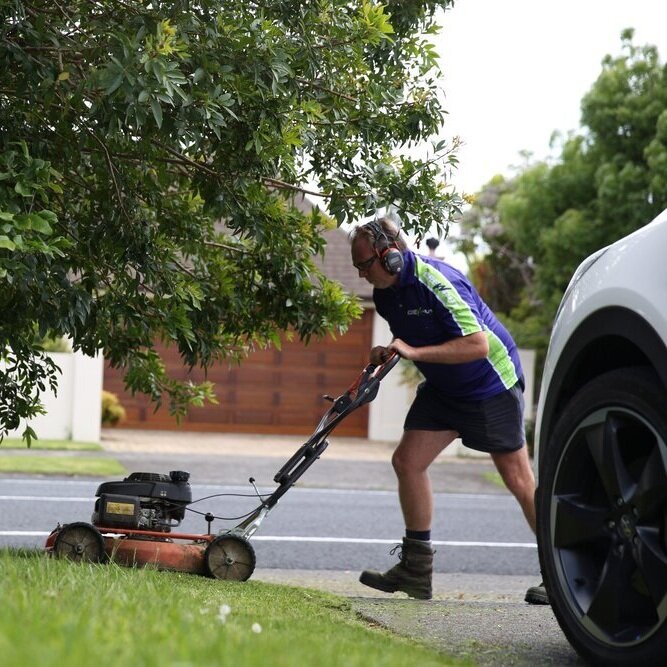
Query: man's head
(370, 244)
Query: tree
(150, 153)
(502, 273)
(609, 179)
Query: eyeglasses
(366, 264)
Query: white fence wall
(75, 412)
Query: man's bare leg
(414, 572)
(517, 473)
(414, 454)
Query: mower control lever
(254, 486)
(342, 403)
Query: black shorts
(491, 425)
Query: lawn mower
(133, 519)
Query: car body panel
(622, 291)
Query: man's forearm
(455, 351)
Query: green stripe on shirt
(448, 296)
(499, 357)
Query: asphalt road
(309, 529)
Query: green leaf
(49, 215)
(23, 221)
(39, 224)
(29, 435)
(157, 112)
(115, 84)
(7, 243)
(22, 189)
(6, 215)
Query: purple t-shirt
(432, 303)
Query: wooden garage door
(272, 391)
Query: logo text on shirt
(419, 311)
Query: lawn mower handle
(363, 390)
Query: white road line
(64, 499)
(325, 540)
(362, 540)
(496, 498)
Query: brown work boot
(412, 574)
(537, 594)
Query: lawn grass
(495, 478)
(61, 613)
(64, 445)
(60, 465)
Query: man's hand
(404, 350)
(379, 355)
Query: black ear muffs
(387, 250)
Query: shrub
(112, 410)
(55, 344)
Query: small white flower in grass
(256, 628)
(223, 611)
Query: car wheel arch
(609, 338)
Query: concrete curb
(482, 619)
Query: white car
(601, 454)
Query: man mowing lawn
(473, 389)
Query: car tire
(602, 519)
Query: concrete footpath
(481, 619)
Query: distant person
(473, 389)
(432, 245)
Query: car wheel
(602, 519)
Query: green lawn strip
(64, 445)
(494, 478)
(58, 613)
(60, 465)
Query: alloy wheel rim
(608, 526)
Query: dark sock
(423, 535)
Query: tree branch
(273, 182)
(318, 86)
(186, 160)
(214, 244)
(282, 185)
(112, 171)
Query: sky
(516, 70)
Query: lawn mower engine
(144, 500)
